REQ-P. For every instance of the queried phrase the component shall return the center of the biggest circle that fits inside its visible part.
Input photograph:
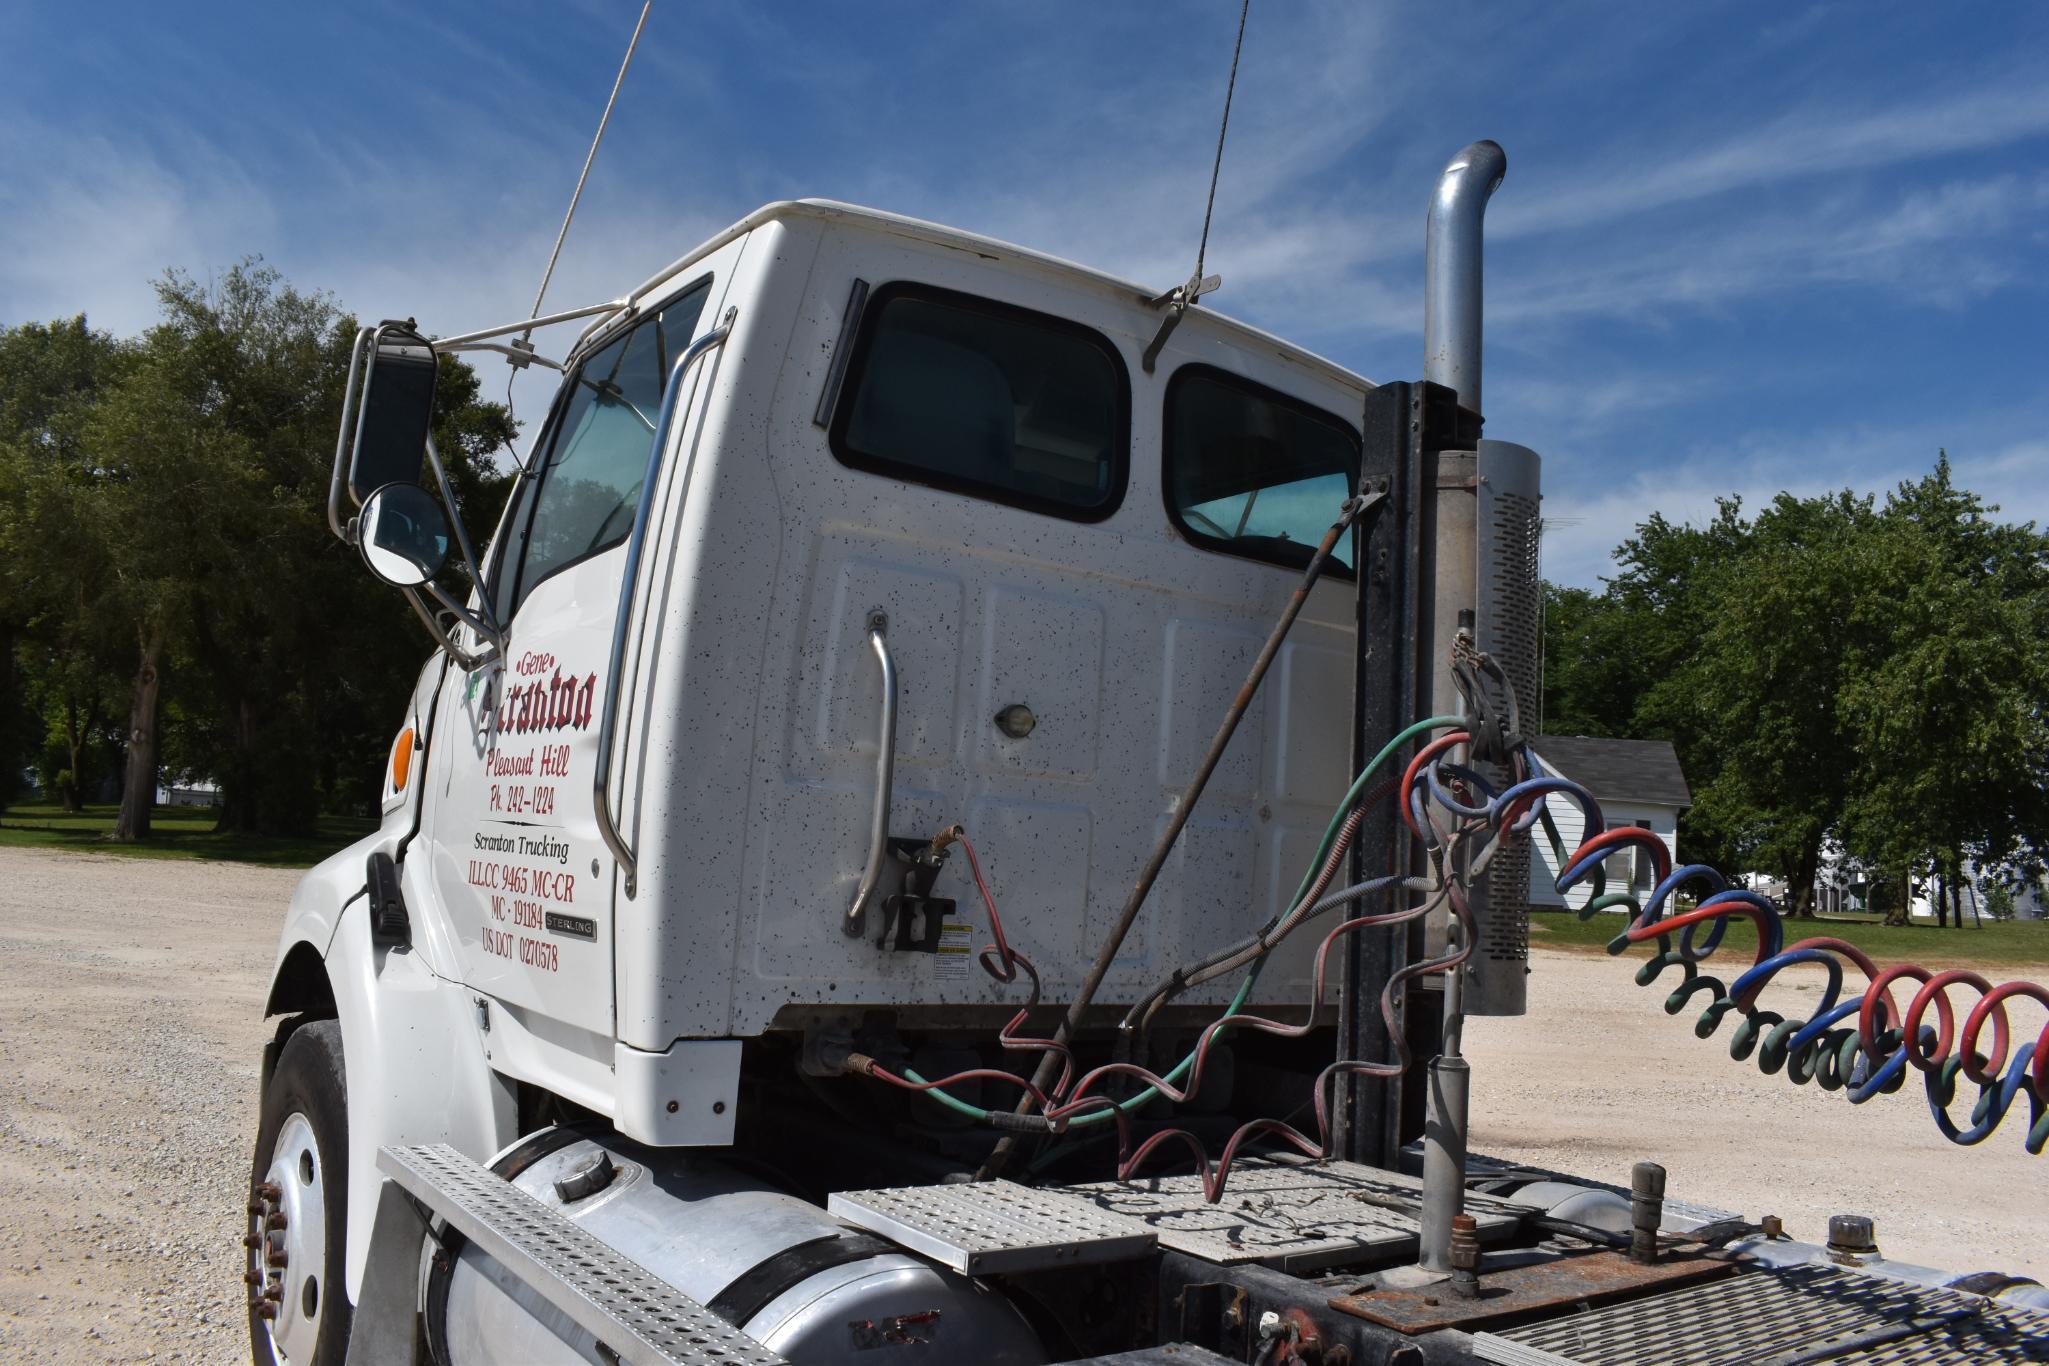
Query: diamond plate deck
(1521, 1291)
(1294, 1217)
(639, 1316)
(995, 1227)
(1807, 1313)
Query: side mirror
(396, 412)
(404, 535)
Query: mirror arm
(341, 440)
(529, 324)
(521, 357)
(465, 616)
(490, 626)
(463, 657)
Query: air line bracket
(913, 920)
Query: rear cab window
(984, 398)
(1250, 471)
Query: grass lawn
(175, 832)
(2000, 943)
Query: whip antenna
(1179, 299)
(589, 157)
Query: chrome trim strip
(629, 586)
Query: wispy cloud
(1940, 244)
(1811, 147)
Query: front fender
(413, 1059)
(320, 900)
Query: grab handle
(856, 918)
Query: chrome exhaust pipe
(1451, 270)
(1460, 595)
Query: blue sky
(1740, 247)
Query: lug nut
(252, 1277)
(251, 1241)
(269, 1190)
(265, 1309)
(274, 1257)
(274, 1220)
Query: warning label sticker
(956, 951)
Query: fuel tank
(816, 1291)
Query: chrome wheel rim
(291, 1241)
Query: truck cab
(837, 477)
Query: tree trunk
(10, 709)
(77, 732)
(139, 785)
(1801, 893)
(239, 813)
(1903, 913)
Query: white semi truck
(848, 536)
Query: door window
(580, 499)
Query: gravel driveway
(130, 993)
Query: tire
(298, 1202)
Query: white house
(1637, 782)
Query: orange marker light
(402, 759)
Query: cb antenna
(1181, 298)
(584, 175)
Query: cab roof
(877, 220)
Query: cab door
(518, 860)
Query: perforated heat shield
(1508, 530)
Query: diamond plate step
(639, 1316)
(988, 1228)
(1293, 1216)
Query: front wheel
(298, 1206)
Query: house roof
(1618, 770)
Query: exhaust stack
(1451, 270)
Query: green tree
(1831, 669)
(1776, 624)
(177, 500)
(1944, 709)
(1591, 677)
(295, 659)
(54, 640)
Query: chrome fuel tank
(784, 1271)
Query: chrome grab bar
(601, 776)
(856, 918)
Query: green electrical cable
(1244, 992)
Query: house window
(1646, 864)
(1252, 472)
(984, 398)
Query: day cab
(841, 530)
